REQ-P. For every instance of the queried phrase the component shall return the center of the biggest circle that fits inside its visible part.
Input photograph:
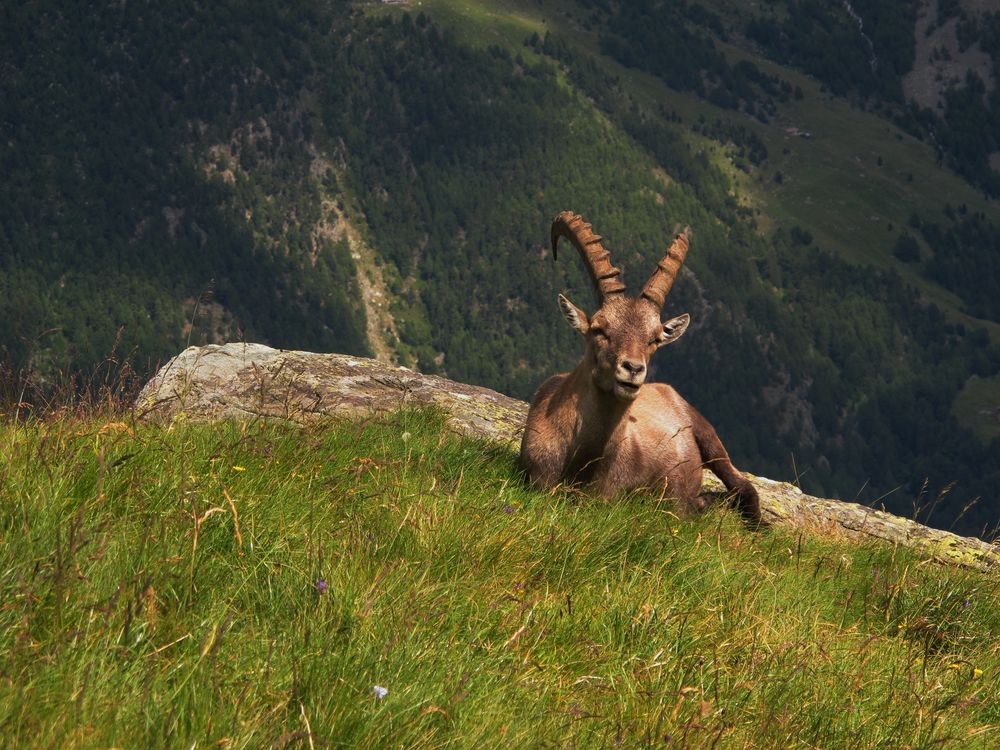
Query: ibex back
(602, 424)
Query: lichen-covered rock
(246, 380)
(784, 504)
(252, 380)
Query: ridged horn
(606, 278)
(658, 286)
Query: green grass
(493, 614)
(505, 22)
(977, 406)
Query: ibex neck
(596, 407)
(591, 419)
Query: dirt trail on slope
(380, 325)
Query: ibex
(600, 424)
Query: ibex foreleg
(715, 458)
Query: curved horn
(606, 278)
(658, 286)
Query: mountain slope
(151, 154)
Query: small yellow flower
(976, 673)
(239, 468)
(115, 427)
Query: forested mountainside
(371, 177)
(153, 153)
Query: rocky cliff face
(250, 381)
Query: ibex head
(625, 331)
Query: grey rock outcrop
(240, 381)
(251, 380)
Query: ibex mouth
(627, 389)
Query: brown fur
(602, 425)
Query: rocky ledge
(239, 381)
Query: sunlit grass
(248, 585)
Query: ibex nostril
(635, 368)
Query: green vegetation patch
(977, 406)
(178, 163)
(387, 584)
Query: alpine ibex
(599, 424)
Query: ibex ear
(576, 317)
(674, 328)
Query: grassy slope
(493, 615)
(976, 406)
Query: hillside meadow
(387, 584)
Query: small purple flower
(508, 509)
(965, 604)
(379, 691)
(321, 586)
